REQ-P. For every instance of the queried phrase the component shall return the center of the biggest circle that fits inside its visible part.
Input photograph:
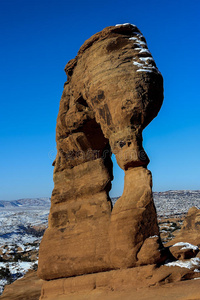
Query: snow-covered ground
(15, 224)
(22, 223)
(192, 264)
(174, 203)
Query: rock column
(113, 91)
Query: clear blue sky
(37, 39)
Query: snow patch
(137, 64)
(186, 246)
(188, 264)
(138, 46)
(138, 33)
(145, 51)
(138, 41)
(125, 24)
(146, 59)
(139, 49)
(144, 70)
(133, 38)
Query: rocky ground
(22, 224)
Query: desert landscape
(99, 189)
(82, 244)
(19, 245)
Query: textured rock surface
(27, 288)
(112, 93)
(190, 230)
(133, 283)
(185, 290)
(141, 283)
(181, 252)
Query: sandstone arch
(112, 93)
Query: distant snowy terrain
(23, 221)
(174, 203)
(22, 224)
(18, 216)
(26, 202)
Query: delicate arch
(113, 91)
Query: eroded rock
(113, 91)
(189, 232)
(184, 250)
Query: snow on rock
(137, 64)
(138, 46)
(133, 38)
(144, 70)
(125, 24)
(138, 41)
(186, 246)
(144, 64)
(189, 263)
(146, 59)
(145, 51)
(138, 34)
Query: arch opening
(117, 182)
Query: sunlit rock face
(113, 91)
(190, 230)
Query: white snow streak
(146, 63)
(189, 263)
(186, 246)
(125, 24)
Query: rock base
(26, 288)
(112, 283)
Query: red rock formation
(189, 232)
(26, 288)
(141, 283)
(134, 283)
(112, 93)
